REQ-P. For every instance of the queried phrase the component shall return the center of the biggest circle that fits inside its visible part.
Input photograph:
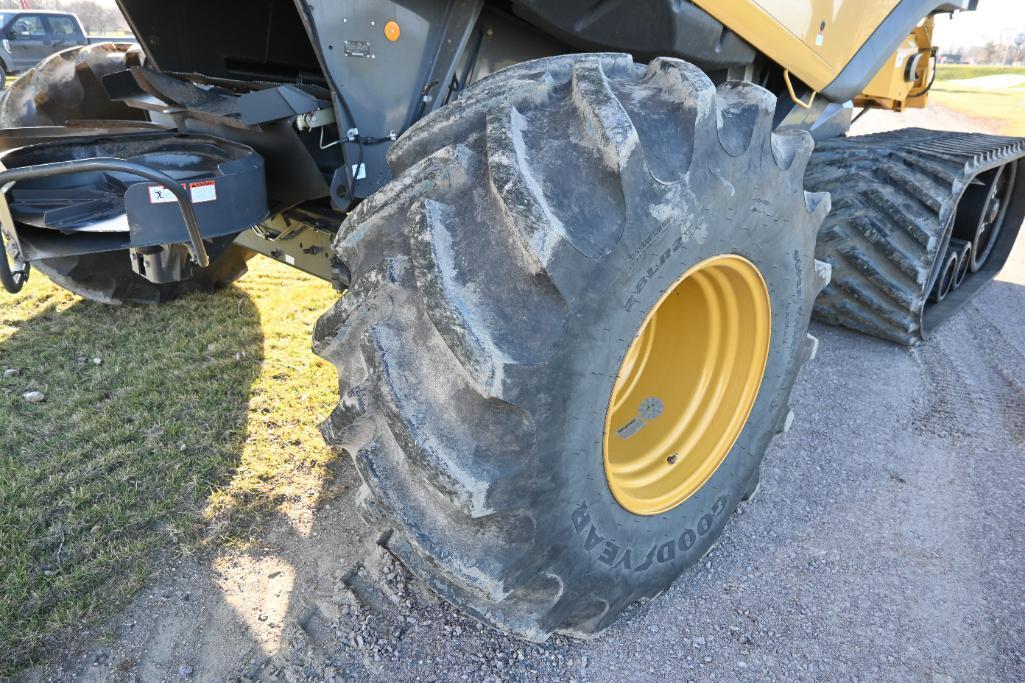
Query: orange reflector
(392, 31)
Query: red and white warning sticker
(200, 191)
(203, 191)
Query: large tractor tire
(575, 319)
(68, 86)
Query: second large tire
(497, 284)
(68, 86)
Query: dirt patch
(934, 117)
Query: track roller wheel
(900, 200)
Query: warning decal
(158, 194)
(201, 191)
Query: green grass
(1006, 108)
(200, 421)
(953, 72)
(1003, 106)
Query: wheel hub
(687, 385)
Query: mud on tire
(497, 283)
(68, 86)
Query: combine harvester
(579, 243)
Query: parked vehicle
(30, 36)
(579, 243)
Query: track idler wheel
(983, 210)
(965, 254)
(948, 272)
(917, 214)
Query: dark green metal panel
(383, 86)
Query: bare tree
(990, 52)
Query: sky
(996, 20)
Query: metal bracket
(11, 176)
(315, 119)
(790, 89)
(12, 279)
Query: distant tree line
(97, 19)
(991, 53)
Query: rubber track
(894, 195)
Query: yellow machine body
(904, 82)
(815, 39)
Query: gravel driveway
(885, 542)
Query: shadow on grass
(144, 416)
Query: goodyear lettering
(618, 555)
(609, 552)
(651, 238)
(647, 560)
(593, 539)
(581, 517)
(687, 539)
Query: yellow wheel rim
(687, 385)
